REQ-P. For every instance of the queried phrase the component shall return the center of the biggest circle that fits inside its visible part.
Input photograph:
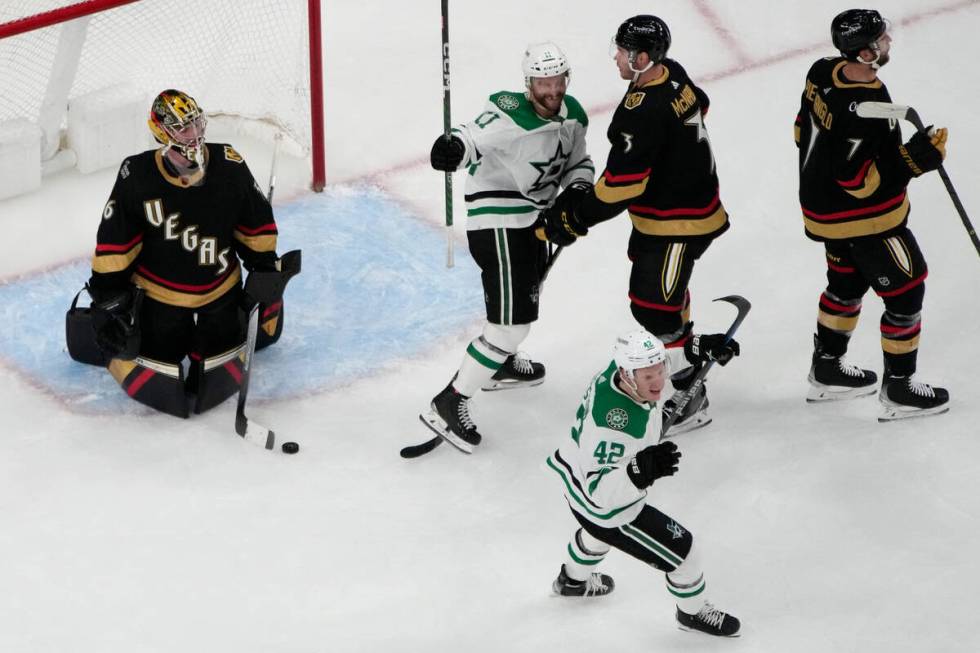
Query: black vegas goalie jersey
(182, 243)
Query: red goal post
(256, 61)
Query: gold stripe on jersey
(616, 194)
(107, 263)
(260, 243)
(839, 78)
(173, 297)
(181, 182)
(684, 227)
(890, 346)
(870, 183)
(858, 226)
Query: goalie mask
(176, 121)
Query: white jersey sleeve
(516, 161)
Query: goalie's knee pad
(507, 337)
(217, 378)
(270, 325)
(156, 384)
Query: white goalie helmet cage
(636, 350)
(544, 60)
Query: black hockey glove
(923, 152)
(266, 286)
(654, 462)
(561, 224)
(115, 321)
(447, 153)
(704, 347)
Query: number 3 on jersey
(607, 453)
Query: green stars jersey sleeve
(609, 429)
(517, 162)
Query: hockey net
(251, 61)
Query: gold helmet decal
(176, 121)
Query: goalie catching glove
(654, 462)
(561, 224)
(115, 321)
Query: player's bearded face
(650, 381)
(547, 93)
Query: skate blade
(699, 421)
(511, 385)
(894, 413)
(435, 423)
(821, 393)
(688, 629)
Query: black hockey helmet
(856, 29)
(644, 33)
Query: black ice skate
(596, 585)
(693, 416)
(902, 398)
(517, 371)
(450, 418)
(831, 379)
(710, 620)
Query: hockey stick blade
(256, 434)
(742, 305)
(416, 450)
(885, 111)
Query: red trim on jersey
(139, 382)
(184, 286)
(858, 178)
(234, 371)
(257, 230)
(840, 268)
(901, 331)
(118, 248)
(677, 343)
(671, 212)
(271, 308)
(839, 307)
(906, 287)
(659, 307)
(856, 212)
(622, 179)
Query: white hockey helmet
(636, 350)
(544, 60)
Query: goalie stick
(742, 305)
(888, 111)
(416, 450)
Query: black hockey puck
(290, 447)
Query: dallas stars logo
(550, 171)
(676, 530)
(617, 418)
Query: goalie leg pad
(153, 383)
(218, 377)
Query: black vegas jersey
(660, 165)
(851, 183)
(181, 243)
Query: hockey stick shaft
(251, 432)
(743, 306)
(446, 126)
(273, 167)
(900, 112)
